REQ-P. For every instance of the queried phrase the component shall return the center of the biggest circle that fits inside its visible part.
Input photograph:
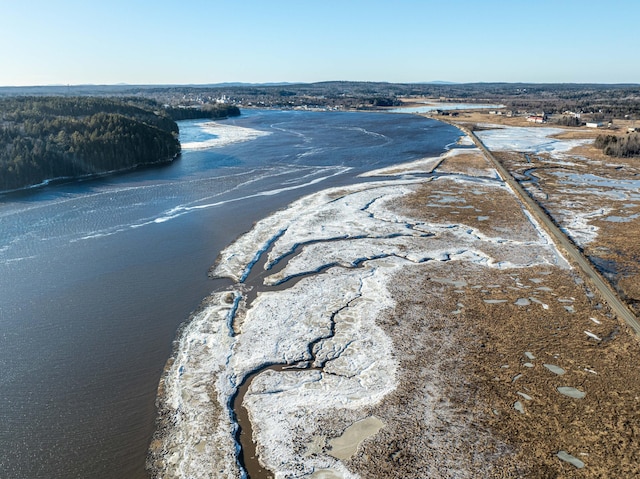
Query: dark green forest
(44, 138)
(214, 112)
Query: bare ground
(616, 241)
(470, 351)
(476, 346)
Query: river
(96, 276)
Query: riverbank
(43, 138)
(91, 176)
(429, 303)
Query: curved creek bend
(247, 453)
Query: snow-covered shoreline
(346, 244)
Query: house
(595, 124)
(536, 118)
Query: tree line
(43, 138)
(214, 112)
(622, 146)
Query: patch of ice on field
(359, 370)
(571, 392)
(577, 225)
(555, 369)
(528, 139)
(566, 457)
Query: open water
(96, 276)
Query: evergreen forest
(211, 111)
(45, 138)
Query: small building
(536, 118)
(594, 124)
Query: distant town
(592, 104)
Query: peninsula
(421, 323)
(53, 138)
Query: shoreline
(276, 252)
(468, 295)
(90, 176)
(156, 278)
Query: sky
(45, 42)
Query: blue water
(96, 276)
(448, 107)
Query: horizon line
(283, 83)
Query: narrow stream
(247, 454)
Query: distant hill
(114, 90)
(439, 82)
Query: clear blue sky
(209, 41)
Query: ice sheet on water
(220, 134)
